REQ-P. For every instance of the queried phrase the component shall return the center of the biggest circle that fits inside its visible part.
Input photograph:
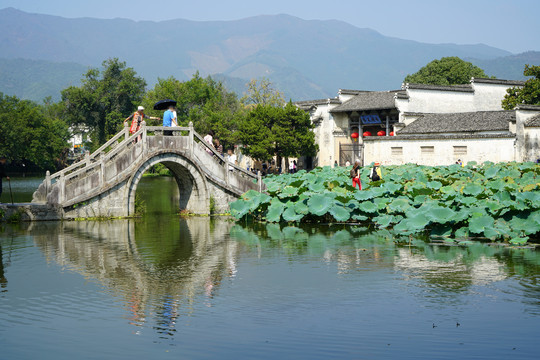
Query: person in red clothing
(355, 175)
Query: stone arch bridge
(104, 183)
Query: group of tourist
(375, 174)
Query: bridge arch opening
(192, 192)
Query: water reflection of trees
(440, 269)
(157, 270)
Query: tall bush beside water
(493, 201)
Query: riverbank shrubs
(492, 201)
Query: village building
(424, 124)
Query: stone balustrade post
(47, 182)
(191, 138)
(126, 130)
(87, 157)
(61, 188)
(102, 169)
(227, 171)
(143, 127)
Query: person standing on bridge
(137, 118)
(2, 172)
(169, 120)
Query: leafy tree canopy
(528, 94)
(202, 101)
(104, 99)
(446, 71)
(262, 93)
(31, 133)
(269, 131)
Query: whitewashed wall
(444, 151)
(488, 97)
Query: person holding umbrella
(169, 119)
(2, 172)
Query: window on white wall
(427, 150)
(397, 151)
(460, 151)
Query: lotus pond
(488, 201)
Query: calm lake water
(163, 287)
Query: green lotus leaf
(526, 225)
(384, 220)
(340, 213)
(391, 188)
(320, 204)
(436, 185)
(287, 192)
(364, 195)
(478, 224)
(359, 217)
(462, 232)
(300, 207)
(368, 207)
(441, 215)
(273, 187)
(491, 172)
(239, 208)
(316, 187)
(418, 221)
(400, 205)
(473, 189)
(275, 210)
(519, 240)
(290, 214)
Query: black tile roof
(533, 122)
(460, 122)
(308, 104)
(498, 81)
(368, 100)
(460, 88)
(506, 135)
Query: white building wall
(445, 151)
(488, 97)
(437, 101)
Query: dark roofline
(350, 92)
(528, 107)
(498, 81)
(458, 88)
(441, 137)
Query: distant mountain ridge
(306, 59)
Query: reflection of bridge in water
(167, 280)
(104, 183)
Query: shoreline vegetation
(491, 202)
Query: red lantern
(391, 133)
(355, 135)
(366, 133)
(381, 133)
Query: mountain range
(305, 59)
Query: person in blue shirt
(169, 119)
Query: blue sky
(512, 25)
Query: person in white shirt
(232, 159)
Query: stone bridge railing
(118, 164)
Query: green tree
(30, 133)
(269, 131)
(104, 99)
(202, 101)
(262, 93)
(528, 94)
(446, 71)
